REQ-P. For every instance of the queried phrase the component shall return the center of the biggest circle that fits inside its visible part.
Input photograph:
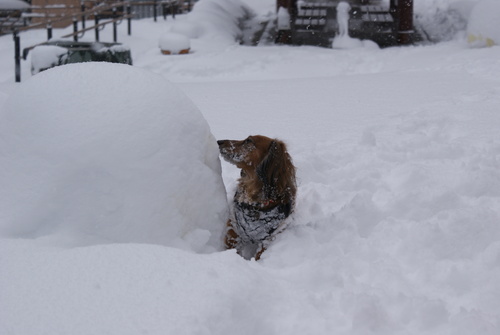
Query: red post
(405, 21)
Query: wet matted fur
(265, 194)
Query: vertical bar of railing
(96, 27)
(49, 30)
(75, 29)
(82, 6)
(114, 25)
(154, 9)
(129, 20)
(17, 56)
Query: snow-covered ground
(397, 224)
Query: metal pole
(75, 29)
(129, 20)
(82, 5)
(49, 30)
(114, 25)
(154, 9)
(17, 56)
(96, 27)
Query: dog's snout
(221, 142)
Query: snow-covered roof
(13, 5)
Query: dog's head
(265, 158)
(247, 153)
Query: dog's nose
(221, 142)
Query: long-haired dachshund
(265, 194)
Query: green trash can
(55, 53)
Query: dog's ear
(277, 172)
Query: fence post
(96, 27)
(154, 9)
(75, 29)
(114, 25)
(17, 56)
(129, 20)
(49, 30)
(82, 6)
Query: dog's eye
(247, 141)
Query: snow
(484, 23)
(174, 43)
(219, 20)
(396, 228)
(128, 166)
(343, 40)
(13, 5)
(46, 56)
(283, 19)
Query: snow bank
(174, 43)
(136, 164)
(221, 20)
(484, 24)
(442, 20)
(46, 56)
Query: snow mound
(136, 164)
(483, 28)
(221, 20)
(46, 56)
(189, 29)
(174, 43)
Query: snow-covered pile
(221, 20)
(46, 56)
(98, 152)
(174, 43)
(484, 24)
(442, 20)
(343, 40)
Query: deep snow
(91, 168)
(397, 225)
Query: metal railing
(113, 13)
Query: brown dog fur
(267, 185)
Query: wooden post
(405, 21)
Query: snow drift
(129, 165)
(219, 21)
(484, 24)
(396, 226)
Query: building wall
(59, 8)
